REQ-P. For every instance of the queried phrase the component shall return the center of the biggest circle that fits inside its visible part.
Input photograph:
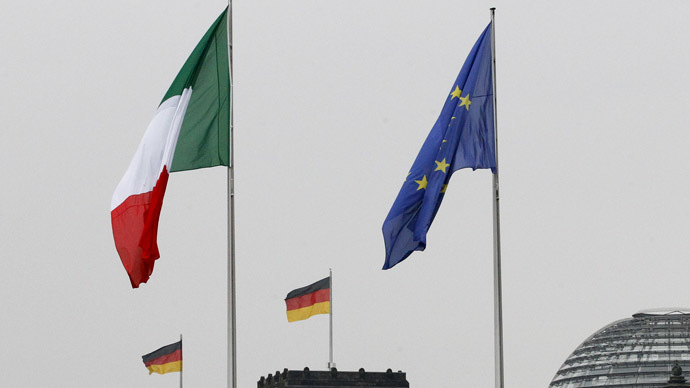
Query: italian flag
(190, 130)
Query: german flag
(313, 299)
(164, 360)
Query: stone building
(334, 378)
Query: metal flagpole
(182, 361)
(498, 303)
(232, 349)
(331, 364)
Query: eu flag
(462, 137)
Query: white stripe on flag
(155, 150)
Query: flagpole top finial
(492, 8)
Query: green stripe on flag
(204, 139)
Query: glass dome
(630, 353)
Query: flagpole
(331, 364)
(498, 302)
(232, 349)
(181, 360)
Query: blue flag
(462, 137)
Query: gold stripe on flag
(174, 366)
(306, 312)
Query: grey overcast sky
(333, 101)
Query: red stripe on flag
(308, 299)
(172, 357)
(148, 242)
(135, 230)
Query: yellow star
(443, 190)
(456, 93)
(466, 101)
(422, 183)
(442, 165)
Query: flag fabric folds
(463, 136)
(313, 299)
(190, 130)
(164, 360)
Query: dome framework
(630, 353)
